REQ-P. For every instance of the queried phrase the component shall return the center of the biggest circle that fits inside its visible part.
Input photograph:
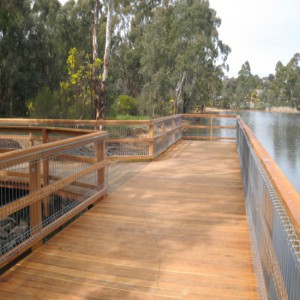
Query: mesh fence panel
(42, 187)
(214, 127)
(275, 242)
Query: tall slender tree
(96, 85)
(101, 104)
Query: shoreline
(271, 110)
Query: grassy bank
(283, 109)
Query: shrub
(126, 105)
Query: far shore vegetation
(127, 59)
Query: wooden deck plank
(174, 228)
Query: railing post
(31, 141)
(211, 128)
(151, 143)
(45, 174)
(163, 132)
(34, 185)
(173, 130)
(100, 156)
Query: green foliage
(35, 37)
(126, 117)
(45, 105)
(160, 50)
(180, 63)
(126, 105)
(78, 85)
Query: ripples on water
(279, 133)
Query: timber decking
(174, 228)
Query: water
(279, 133)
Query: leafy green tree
(126, 105)
(78, 88)
(287, 82)
(179, 63)
(228, 94)
(16, 80)
(246, 87)
(47, 105)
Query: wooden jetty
(174, 228)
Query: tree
(16, 78)
(79, 85)
(181, 63)
(101, 105)
(96, 86)
(246, 86)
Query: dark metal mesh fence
(276, 246)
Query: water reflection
(280, 135)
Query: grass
(284, 109)
(127, 117)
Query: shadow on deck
(174, 228)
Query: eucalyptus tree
(181, 48)
(131, 19)
(15, 77)
(102, 101)
(287, 82)
(247, 85)
(44, 39)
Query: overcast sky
(260, 31)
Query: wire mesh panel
(275, 242)
(14, 139)
(127, 140)
(209, 126)
(44, 186)
(127, 149)
(167, 132)
(124, 131)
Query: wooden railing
(57, 180)
(273, 209)
(44, 186)
(17, 137)
(165, 133)
(146, 139)
(210, 127)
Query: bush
(126, 105)
(45, 105)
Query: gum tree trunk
(101, 104)
(96, 83)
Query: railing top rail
(49, 129)
(210, 115)
(45, 150)
(61, 122)
(166, 118)
(73, 122)
(287, 193)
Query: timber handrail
(212, 115)
(61, 179)
(187, 128)
(44, 150)
(60, 122)
(135, 139)
(75, 131)
(288, 194)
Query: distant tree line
(165, 57)
(251, 91)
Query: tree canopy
(165, 54)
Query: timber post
(151, 143)
(34, 185)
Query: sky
(262, 32)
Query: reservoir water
(279, 133)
